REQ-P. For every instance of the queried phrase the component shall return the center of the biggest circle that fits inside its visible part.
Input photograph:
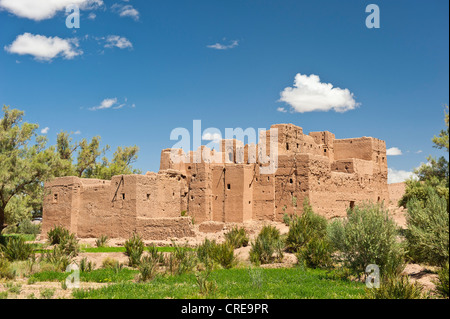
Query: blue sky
(137, 69)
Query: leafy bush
(110, 263)
(266, 245)
(237, 237)
(428, 229)
(69, 245)
(102, 241)
(86, 265)
(206, 286)
(5, 269)
(209, 252)
(316, 253)
(17, 249)
(27, 227)
(47, 293)
(148, 268)
(442, 282)
(393, 287)
(368, 236)
(287, 219)
(224, 255)
(58, 257)
(57, 234)
(304, 228)
(181, 260)
(155, 254)
(205, 251)
(134, 247)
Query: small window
(268, 178)
(55, 197)
(379, 199)
(291, 180)
(228, 186)
(324, 151)
(148, 196)
(287, 146)
(352, 204)
(123, 196)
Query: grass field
(236, 283)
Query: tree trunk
(2, 218)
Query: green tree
(441, 141)
(434, 173)
(25, 162)
(88, 165)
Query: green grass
(280, 283)
(98, 275)
(5, 237)
(112, 249)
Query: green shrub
(368, 236)
(57, 234)
(3, 295)
(26, 226)
(148, 268)
(69, 245)
(206, 251)
(304, 228)
(396, 287)
(155, 254)
(17, 249)
(442, 282)
(428, 229)
(316, 253)
(224, 255)
(134, 248)
(58, 258)
(237, 237)
(266, 245)
(181, 260)
(205, 286)
(287, 219)
(209, 252)
(5, 269)
(86, 265)
(110, 263)
(102, 241)
(47, 293)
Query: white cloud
(111, 103)
(398, 176)
(394, 151)
(419, 151)
(281, 109)
(44, 9)
(219, 46)
(106, 104)
(309, 95)
(216, 137)
(126, 11)
(44, 48)
(45, 130)
(92, 16)
(77, 132)
(117, 41)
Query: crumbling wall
(228, 186)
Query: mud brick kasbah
(334, 174)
